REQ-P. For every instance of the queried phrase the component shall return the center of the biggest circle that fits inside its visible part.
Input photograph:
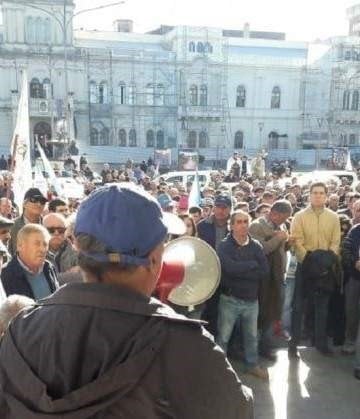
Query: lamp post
(64, 23)
(261, 127)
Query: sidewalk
(316, 387)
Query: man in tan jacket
(313, 228)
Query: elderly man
(313, 228)
(6, 207)
(271, 232)
(29, 273)
(33, 208)
(5, 226)
(61, 252)
(138, 370)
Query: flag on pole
(194, 196)
(349, 165)
(20, 148)
(52, 178)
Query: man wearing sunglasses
(61, 252)
(33, 207)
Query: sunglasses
(36, 200)
(60, 230)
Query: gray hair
(10, 308)
(282, 207)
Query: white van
(186, 176)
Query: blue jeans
(230, 310)
(288, 298)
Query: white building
(175, 87)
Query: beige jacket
(315, 230)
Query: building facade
(121, 94)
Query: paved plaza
(316, 387)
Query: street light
(64, 24)
(261, 127)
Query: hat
(5, 222)
(222, 201)
(207, 202)
(126, 219)
(34, 193)
(165, 201)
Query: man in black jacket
(244, 266)
(28, 273)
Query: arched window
(346, 100)
(150, 138)
(355, 101)
(203, 95)
(30, 30)
(239, 140)
(93, 92)
(150, 94)
(35, 89)
(122, 138)
(276, 98)
(200, 47)
(352, 139)
(208, 47)
(132, 138)
(103, 93)
(94, 136)
(160, 95)
(192, 46)
(191, 142)
(273, 140)
(193, 95)
(240, 97)
(203, 139)
(105, 136)
(46, 87)
(160, 140)
(132, 94)
(122, 93)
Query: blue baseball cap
(223, 201)
(126, 219)
(165, 201)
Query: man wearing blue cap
(105, 347)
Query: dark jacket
(14, 279)
(207, 231)
(242, 268)
(350, 252)
(96, 350)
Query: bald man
(61, 252)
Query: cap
(126, 219)
(165, 201)
(207, 202)
(34, 193)
(5, 222)
(222, 201)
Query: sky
(301, 20)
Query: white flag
(194, 196)
(52, 178)
(349, 165)
(20, 148)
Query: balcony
(199, 112)
(40, 107)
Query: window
(192, 46)
(150, 94)
(273, 140)
(38, 30)
(150, 138)
(132, 138)
(355, 101)
(160, 140)
(30, 30)
(352, 139)
(203, 139)
(160, 95)
(122, 93)
(346, 100)
(208, 47)
(46, 87)
(200, 47)
(94, 136)
(193, 95)
(47, 30)
(276, 98)
(132, 94)
(35, 89)
(122, 138)
(191, 143)
(93, 92)
(239, 140)
(103, 93)
(203, 95)
(240, 97)
(105, 136)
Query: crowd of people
(290, 270)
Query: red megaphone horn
(172, 274)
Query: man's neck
(317, 207)
(30, 268)
(220, 223)
(32, 218)
(241, 239)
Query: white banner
(52, 179)
(20, 148)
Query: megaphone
(190, 273)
